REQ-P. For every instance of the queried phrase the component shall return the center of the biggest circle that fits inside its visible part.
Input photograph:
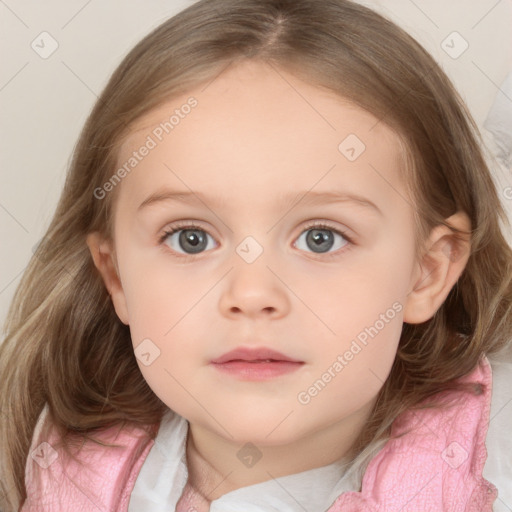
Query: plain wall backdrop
(49, 83)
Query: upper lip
(253, 354)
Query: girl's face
(263, 159)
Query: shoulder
(435, 456)
(498, 465)
(90, 474)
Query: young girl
(274, 281)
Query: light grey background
(45, 101)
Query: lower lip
(245, 370)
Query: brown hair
(63, 337)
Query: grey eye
(320, 240)
(189, 241)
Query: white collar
(164, 474)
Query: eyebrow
(308, 198)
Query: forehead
(259, 130)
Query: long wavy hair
(64, 344)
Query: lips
(254, 355)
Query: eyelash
(311, 225)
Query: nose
(254, 290)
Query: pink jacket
(436, 467)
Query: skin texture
(259, 134)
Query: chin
(275, 429)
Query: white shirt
(164, 474)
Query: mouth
(257, 360)
(257, 370)
(260, 355)
(255, 364)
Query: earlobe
(439, 269)
(104, 260)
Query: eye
(321, 238)
(191, 239)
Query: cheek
(363, 284)
(364, 310)
(164, 310)
(344, 305)
(158, 296)
(352, 373)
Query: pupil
(320, 237)
(195, 240)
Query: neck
(217, 465)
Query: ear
(438, 270)
(104, 259)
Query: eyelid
(325, 224)
(181, 225)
